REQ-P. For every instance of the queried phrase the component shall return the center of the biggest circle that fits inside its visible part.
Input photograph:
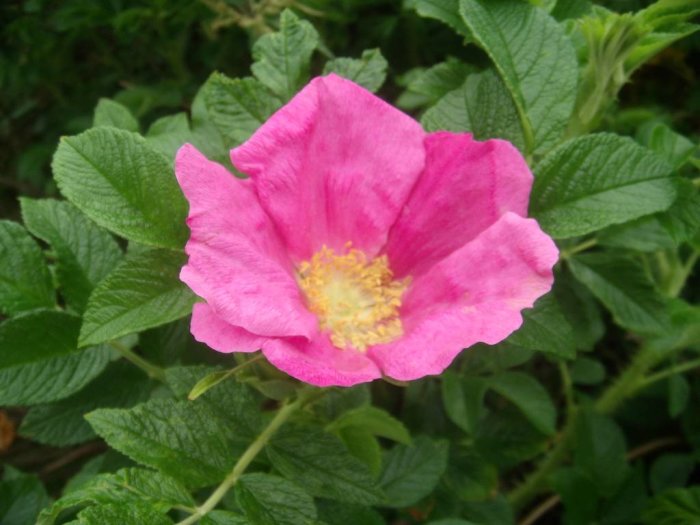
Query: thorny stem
(151, 370)
(673, 370)
(248, 456)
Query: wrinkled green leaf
(320, 463)
(40, 360)
(111, 113)
(482, 105)
(186, 441)
(22, 496)
(282, 58)
(598, 180)
(543, 85)
(271, 500)
(368, 71)
(525, 392)
(674, 507)
(116, 179)
(62, 423)
(623, 287)
(411, 472)
(25, 281)
(85, 253)
(144, 291)
(374, 420)
(237, 106)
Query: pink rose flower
(360, 246)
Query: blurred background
(57, 58)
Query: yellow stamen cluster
(356, 299)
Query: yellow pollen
(356, 299)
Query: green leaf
(116, 179)
(369, 71)
(411, 472)
(506, 438)
(233, 402)
(628, 502)
(62, 423)
(495, 511)
(481, 105)
(543, 85)
(25, 281)
(580, 309)
(144, 291)
(111, 113)
(40, 360)
(167, 134)
(237, 106)
(451, 521)
(599, 451)
(469, 476)
(271, 500)
(586, 371)
(320, 463)
(525, 392)
(678, 395)
(671, 471)
(119, 514)
(463, 398)
(205, 134)
(223, 517)
(374, 420)
(430, 85)
(682, 219)
(334, 513)
(364, 445)
(578, 494)
(446, 11)
(674, 507)
(624, 288)
(22, 496)
(646, 234)
(546, 329)
(339, 401)
(661, 139)
(130, 486)
(597, 180)
(282, 58)
(184, 440)
(85, 253)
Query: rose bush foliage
(588, 412)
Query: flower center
(356, 299)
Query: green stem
(621, 389)
(627, 383)
(215, 378)
(589, 243)
(247, 458)
(676, 369)
(534, 483)
(151, 370)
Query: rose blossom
(360, 246)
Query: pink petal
(334, 165)
(318, 362)
(466, 186)
(236, 261)
(210, 329)
(474, 295)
